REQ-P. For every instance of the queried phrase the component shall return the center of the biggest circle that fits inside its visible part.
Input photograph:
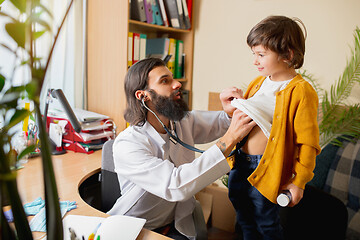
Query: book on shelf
(183, 68)
(189, 4)
(136, 48)
(142, 46)
(163, 12)
(172, 52)
(157, 46)
(172, 13)
(156, 13)
(148, 12)
(186, 15)
(179, 64)
(130, 49)
(181, 13)
(137, 10)
(164, 57)
(185, 95)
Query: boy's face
(268, 62)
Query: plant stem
(54, 225)
(6, 232)
(9, 188)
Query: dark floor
(217, 234)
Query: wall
(223, 59)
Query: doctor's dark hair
(137, 79)
(282, 35)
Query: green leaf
(21, 223)
(31, 89)
(19, 4)
(26, 151)
(54, 225)
(36, 35)
(19, 115)
(32, 118)
(16, 30)
(38, 73)
(36, 59)
(2, 82)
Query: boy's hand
(226, 96)
(296, 193)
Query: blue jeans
(256, 215)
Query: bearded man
(158, 175)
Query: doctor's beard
(174, 110)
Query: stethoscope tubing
(172, 136)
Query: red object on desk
(72, 140)
(75, 146)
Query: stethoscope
(173, 138)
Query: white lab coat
(146, 162)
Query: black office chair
(319, 215)
(110, 188)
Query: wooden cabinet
(107, 34)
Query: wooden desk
(71, 169)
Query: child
(279, 153)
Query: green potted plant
(337, 118)
(21, 28)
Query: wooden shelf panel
(151, 27)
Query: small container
(284, 198)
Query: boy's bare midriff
(256, 143)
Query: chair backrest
(110, 188)
(319, 215)
(214, 103)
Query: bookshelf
(107, 37)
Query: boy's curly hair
(282, 35)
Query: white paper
(92, 126)
(81, 114)
(113, 227)
(95, 135)
(55, 134)
(87, 116)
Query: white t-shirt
(261, 106)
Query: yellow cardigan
(294, 139)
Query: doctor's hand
(241, 125)
(226, 96)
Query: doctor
(158, 176)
